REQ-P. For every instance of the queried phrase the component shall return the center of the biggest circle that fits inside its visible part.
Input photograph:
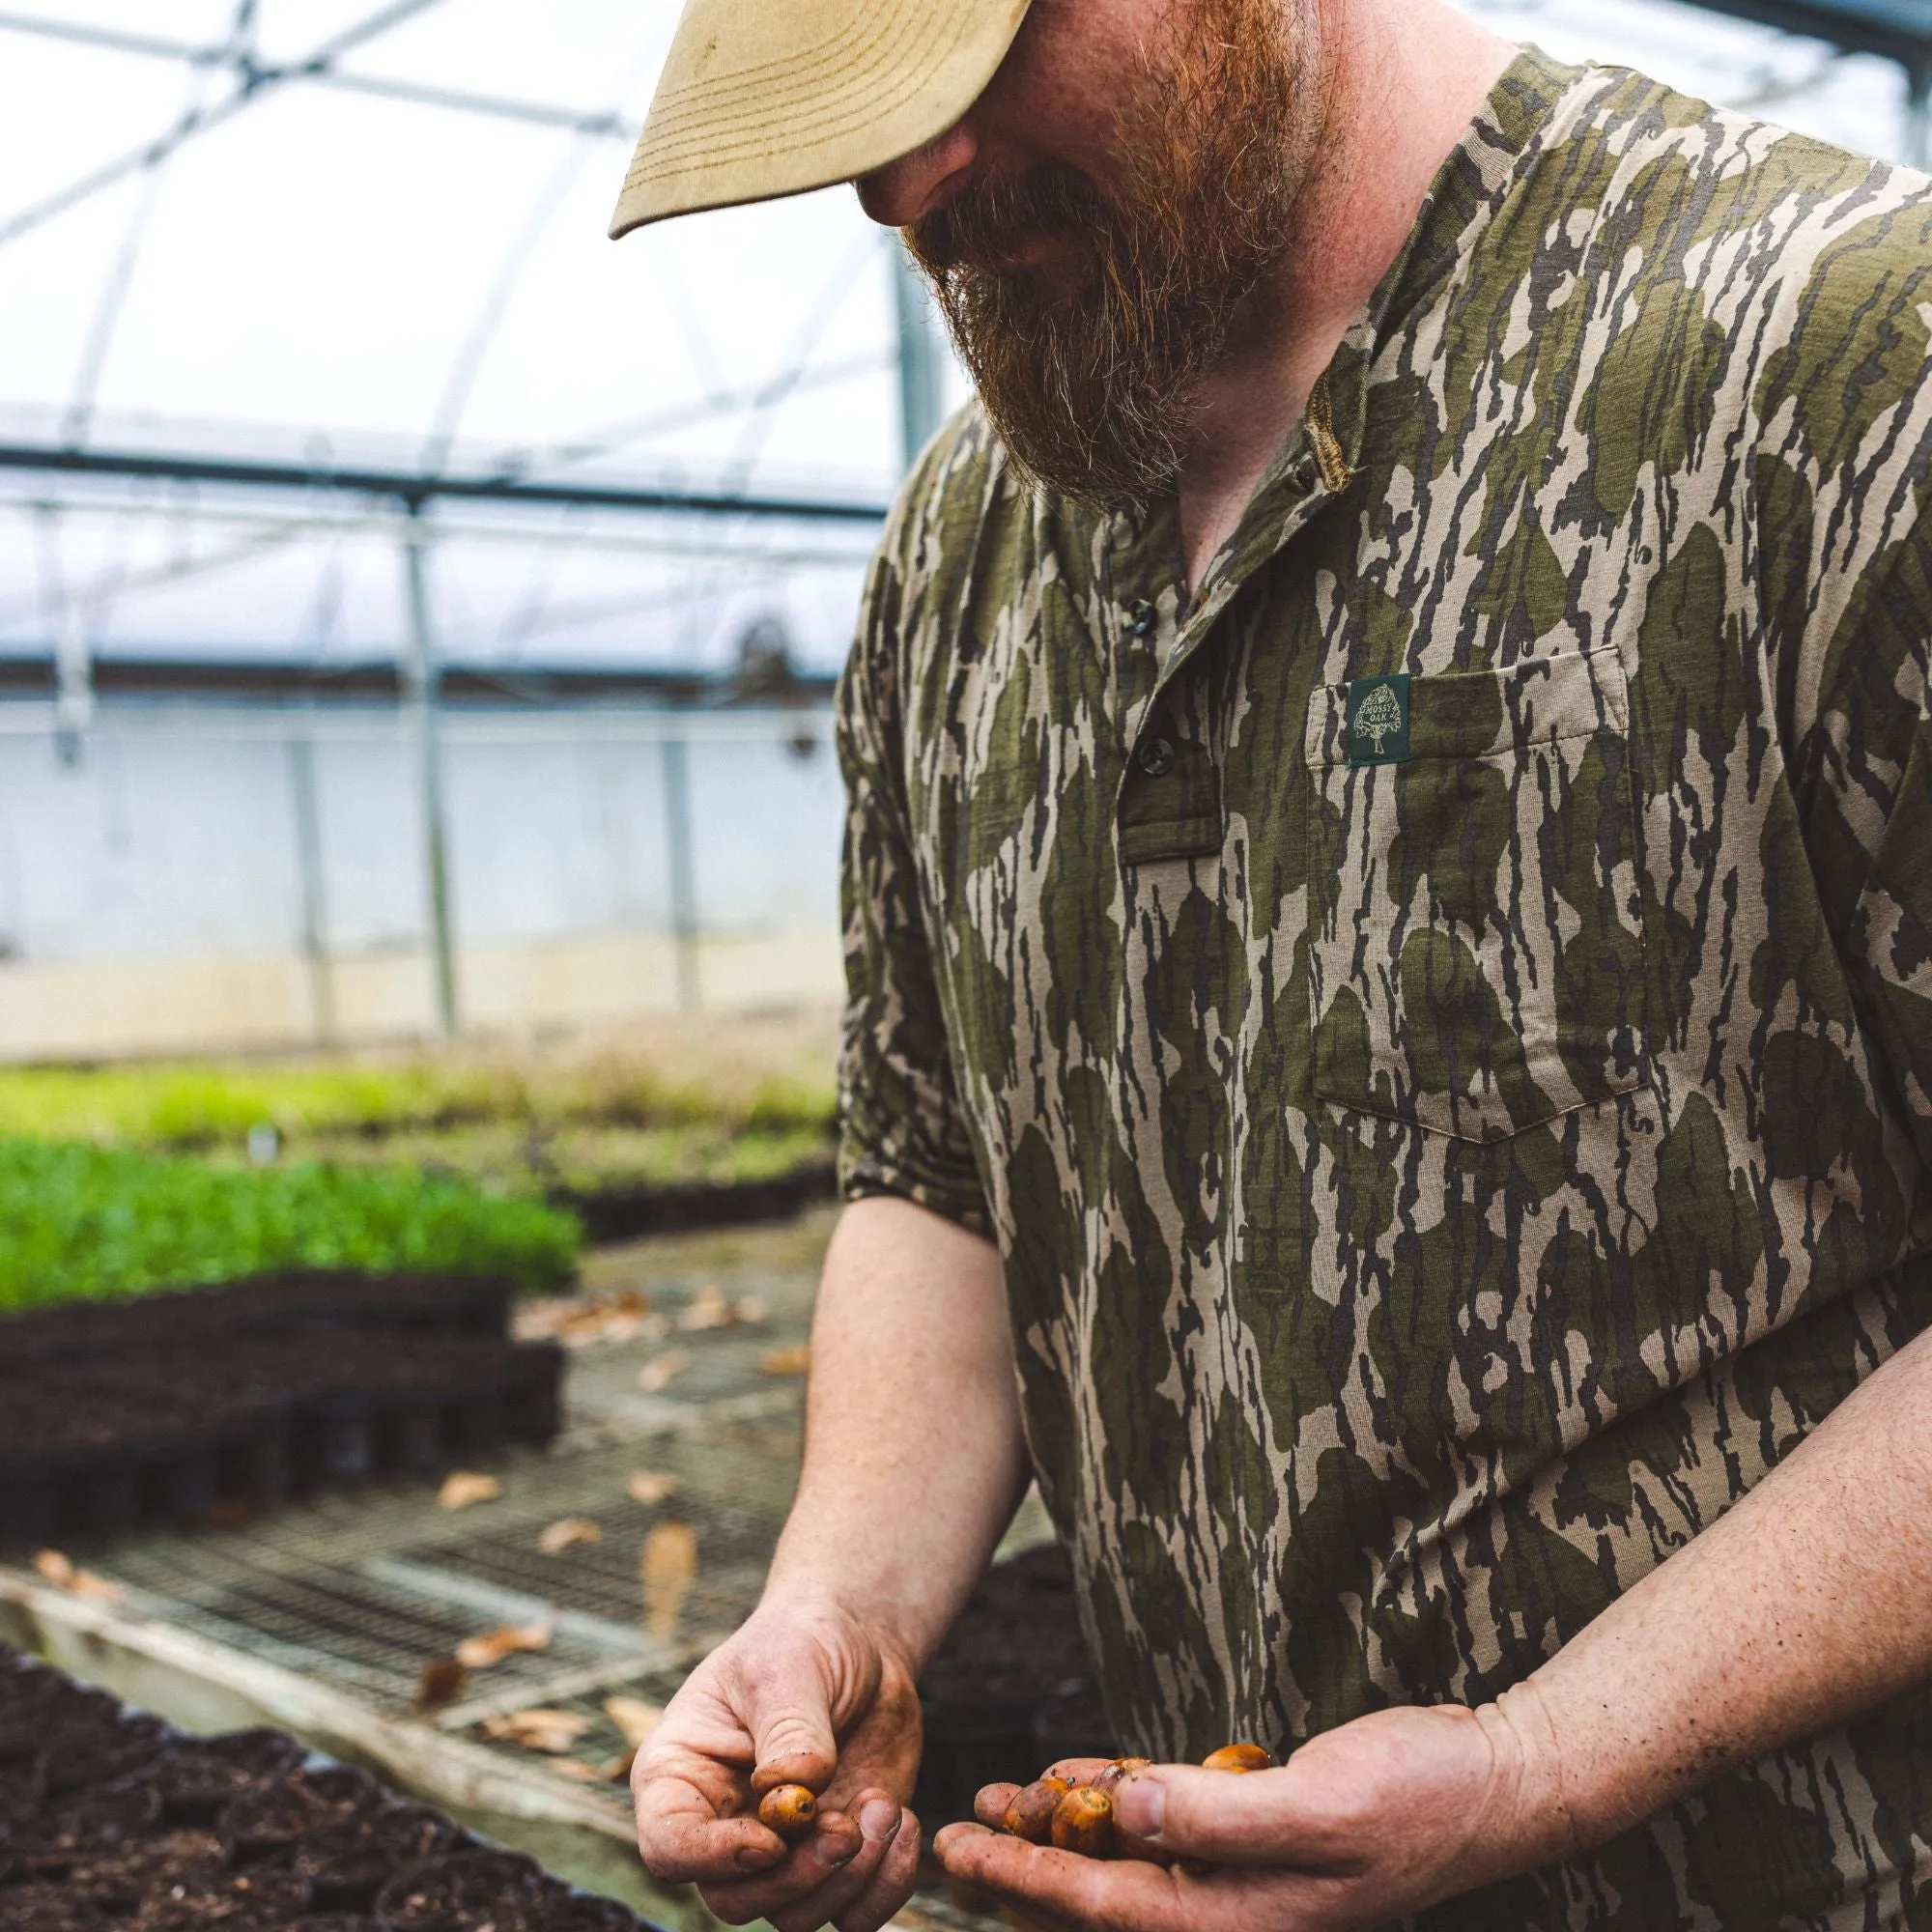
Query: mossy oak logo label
(1379, 720)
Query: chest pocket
(1476, 949)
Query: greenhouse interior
(421, 953)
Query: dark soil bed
(201, 1778)
(111, 1822)
(624, 1213)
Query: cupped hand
(1365, 1824)
(797, 1697)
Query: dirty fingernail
(1141, 1806)
(753, 1859)
(877, 1819)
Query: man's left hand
(1365, 1824)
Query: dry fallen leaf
(573, 1529)
(65, 1575)
(466, 1487)
(584, 1773)
(668, 1563)
(443, 1682)
(479, 1653)
(786, 1361)
(539, 1320)
(708, 1310)
(752, 1309)
(634, 1720)
(650, 1485)
(618, 1768)
(541, 1730)
(658, 1370)
(612, 1328)
(577, 1321)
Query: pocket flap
(1481, 714)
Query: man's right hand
(914, 1464)
(810, 1697)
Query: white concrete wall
(151, 889)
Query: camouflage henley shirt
(1438, 1022)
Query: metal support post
(683, 870)
(314, 901)
(74, 682)
(1918, 117)
(66, 615)
(921, 357)
(420, 691)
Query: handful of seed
(1080, 1817)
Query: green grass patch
(195, 1106)
(79, 1221)
(192, 1107)
(505, 1158)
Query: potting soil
(165, 1410)
(111, 1822)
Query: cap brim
(781, 97)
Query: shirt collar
(1487, 164)
(1478, 176)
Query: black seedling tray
(628, 1212)
(441, 1305)
(152, 1832)
(165, 1410)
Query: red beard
(1091, 383)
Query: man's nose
(912, 187)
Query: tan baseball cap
(767, 97)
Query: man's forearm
(914, 1461)
(1809, 1600)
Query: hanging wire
(416, 93)
(255, 83)
(124, 581)
(546, 564)
(742, 554)
(761, 398)
(670, 284)
(833, 295)
(317, 630)
(467, 366)
(114, 292)
(591, 446)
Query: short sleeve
(901, 1131)
(1865, 785)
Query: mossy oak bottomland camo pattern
(1434, 1187)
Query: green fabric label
(1379, 720)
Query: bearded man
(1389, 918)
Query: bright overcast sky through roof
(330, 268)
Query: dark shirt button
(1157, 757)
(1140, 615)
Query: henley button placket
(1157, 757)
